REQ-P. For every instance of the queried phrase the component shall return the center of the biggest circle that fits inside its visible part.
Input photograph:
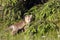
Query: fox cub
(20, 25)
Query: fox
(20, 25)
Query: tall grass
(44, 26)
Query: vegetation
(45, 23)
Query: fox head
(28, 18)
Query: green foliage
(46, 20)
(46, 16)
(10, 11)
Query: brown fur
(20, 25)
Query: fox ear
(30, 15)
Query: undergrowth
(46, 22)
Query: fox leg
(14, 30)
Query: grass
(47, 19)
(53, 35)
